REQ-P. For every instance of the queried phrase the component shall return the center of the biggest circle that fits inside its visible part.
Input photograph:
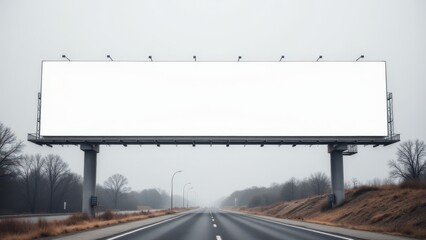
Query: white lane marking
(212, 219)
(306, 229)
(214, 225)
(301, 228)
(218, 237)
(142, 228)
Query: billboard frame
(213, 140)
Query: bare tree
(288, 190)
(355, 182)
(304, 188)
(29, 170)
(117, 184)
(10, 149)
(67, 188)
(23, 170)
(375, 182)
(319, 182)
(55, 170)
(410, 164)
(347, 185)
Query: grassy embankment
(11, 229)
(399, 210)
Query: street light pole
(187, 197)
(171, 195)
(183, 195)
(194, 197)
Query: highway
(215, 224)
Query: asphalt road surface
(215, 224)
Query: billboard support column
(337, 179)
(89, 178)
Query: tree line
(115, 194)
(33, 183)
(318, 183)
(408, 169)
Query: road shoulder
(330, 229)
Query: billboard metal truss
(205, 140)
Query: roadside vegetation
(35, 183)
(396, 205)
(395, 209)
(317, 184)
(12, 229)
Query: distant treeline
(39, 184)
(43, 184)
(318, 183)
(151, 198)
(409, 168)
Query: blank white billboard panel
(214, 99)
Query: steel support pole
(337, 179)
(187, 197)
(183, 194)
(89, 177)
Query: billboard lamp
(150, 58)
(282, 57)
(109, 56)
(195, 58)
(65, 56)
(239, 58)
(362, 56)
(320, 57)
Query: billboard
(330, 99)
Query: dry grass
(399, 210)
(11, 229)
(413, 185)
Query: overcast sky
(215, 30)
